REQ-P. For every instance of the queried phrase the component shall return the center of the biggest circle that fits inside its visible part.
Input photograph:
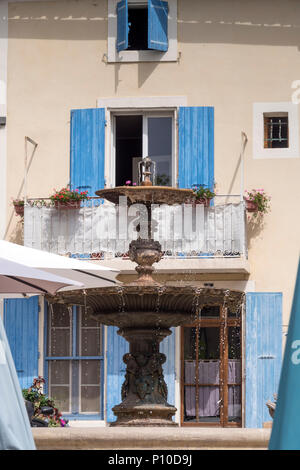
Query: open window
(142, 26)
(141, 135)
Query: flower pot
(202, 200)
(251, 206)
(67, 204)
(19, 209)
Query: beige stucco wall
(231, 54)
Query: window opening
(138, 28)
(276, 130)
(75, 360)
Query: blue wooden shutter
(87, 149)
(116, 348)
(263, 347)
(122, 25)
(21, 322)
(196, 146)
(158, 25)
(167, 346)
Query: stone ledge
(149, 438)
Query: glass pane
(59, 331)
(90, 343)
(209, 343)
(60, 345)
(189, 403)
(189, 343)
(234, 403)
(59, 372)
(210, 312)
(90, 386)
(59, 315)
(90, 372)
(59, 384)
(90, 399)
(61, 395)
(160, 148)
(234, 313)
(234, 342)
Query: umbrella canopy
(15, 431)
(89, 273)
(286, 428)
(17, 278)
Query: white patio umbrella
(15, 430)
(89, 273)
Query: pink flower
(128, 182)
(133, 184)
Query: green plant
(18, 202)
(35, 395)
(201, 192)
(260, 199)
(162, 180)
(67, 195)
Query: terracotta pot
(19, 209)
(251, 206)
(202, 200)
(67, 204)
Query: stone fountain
(144, 310)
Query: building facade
(208, 89)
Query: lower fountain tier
(148, 306)
(144, 314)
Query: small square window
(276, 130)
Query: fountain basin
(147, 194)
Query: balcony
(209, 239)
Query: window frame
(75, 332)
(145, 115)
(261, 109)
(149, 55)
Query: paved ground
(101, 438)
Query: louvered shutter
(196, 146)
(21, 322)
(158, 25)
(116, 368)
(263, 349)
(122, 25)
(87, 149)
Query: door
(211, 378)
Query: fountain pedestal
(144, 391)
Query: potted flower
(257, 201)
(66, 198)
(35, 395)
(202, 195)
(19, 206)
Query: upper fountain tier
(147, 194)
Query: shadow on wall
(17, 236)
(255, 226)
